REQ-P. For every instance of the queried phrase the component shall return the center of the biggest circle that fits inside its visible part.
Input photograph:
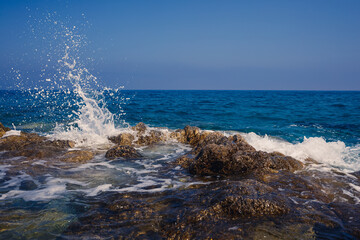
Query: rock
(126, 152)
(184, 161)
(28, 185)
(239, 206)
(3, 130)
(61, 143)
(34, 140)
(188, 135)
(294, 231)
(356, 174)
(154, 136)
(19, 142)
(229, 159)
(33, 146)
(77, 156)
(213, 160)
(212, 210)
(140, 128)
(123, 139)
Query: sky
(189, 44)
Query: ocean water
(71, 105)
(318, 124)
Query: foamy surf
(335, 154)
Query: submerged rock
(126, 152)
(77, 156)
(356, 174)
(28, 185)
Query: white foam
(355, 187)
(335, 154)
(54, 188)
(12, 133)
(95, 191)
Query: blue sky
(197, 44)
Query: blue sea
(321, 117)
(290, 115)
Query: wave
(335, 154)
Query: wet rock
(239, 206)
(3, 129)
(77, 156)
(140, 128)
(356, 174)
(269, 230)
(350, 216)
(189, 135)
(61, 143)
(152, 137)
(184, 161)
(214, 160)
(244, 199)
(228, 159)
(32, 224)
(20, 142)
(28, 185)
(126, 152)
(33, 146)
(123, 139)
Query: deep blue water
(290, 115)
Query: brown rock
(239, 206)
(140, 127)
(33, 146)
(154, 136)
(126, 152)
(188, 135)
(3, 130)
(229, 159)
(77, 156)
(61, 143)
(123, 139)
(19, 142)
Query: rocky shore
(247, 193)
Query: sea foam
(335, 154)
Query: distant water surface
(290, 115)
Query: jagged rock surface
(126, 152)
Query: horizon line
(133, 89)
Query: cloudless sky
(195, 44)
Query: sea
(70, 105)
(324, 125)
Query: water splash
(66, 86)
